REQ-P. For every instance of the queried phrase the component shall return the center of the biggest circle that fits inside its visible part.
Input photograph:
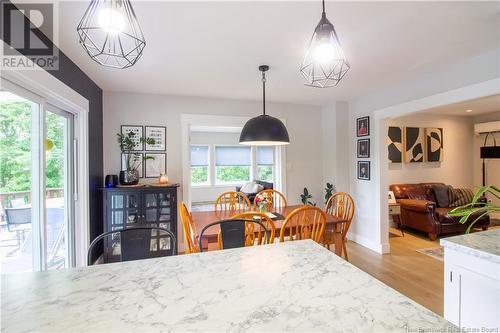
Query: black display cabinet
(139, 206)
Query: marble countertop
(292, 286)
(485, 244)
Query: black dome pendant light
(264, 130)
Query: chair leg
(345, 250)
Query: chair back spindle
(306, 222)
(233, 202)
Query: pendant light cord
(264, 93)
(323, 6)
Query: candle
(163, 179)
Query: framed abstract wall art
(414, 144)
(395, 144)
(434, 144)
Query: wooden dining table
(204, 218)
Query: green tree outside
(15, 148)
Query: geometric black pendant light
(324, 64)
(110, 33)
(264, 130)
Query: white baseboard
(377, 247)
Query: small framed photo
(138, 134)
(364, 170)
(363, 148)
(155, 164)
(135, 161)
(159, 134)
(363, 126)
(391, 198)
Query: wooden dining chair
(190, 235)
(307, 222)
(232, 201)
(341, 205)
(276, 200)
(233, 232)
(250, 234)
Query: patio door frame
(39, 87)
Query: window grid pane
(265, 155)
(199, 156)
(232, 156)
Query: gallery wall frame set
(148, 168)
(414, 144)
(363, 147)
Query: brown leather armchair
(424, 215)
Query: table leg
(337, 238)
(397, 219)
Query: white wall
(208, 193)
(456, 169)
(304, 162)
(335, 147)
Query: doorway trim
(53, 91)
(474, 91)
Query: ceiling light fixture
(468, 111)
(324, 64)
(264, 130)
(110, 33)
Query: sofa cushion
(461, 196)
(442, 194)
(250, 188)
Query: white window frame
(189, 120)
(46, 89)
(251, 166)
(209, 166)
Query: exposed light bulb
(111, 20)
(468, 111)
(325, 52)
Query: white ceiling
(213, 48)
(476, 106)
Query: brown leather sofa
(423, 213)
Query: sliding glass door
(36, 184)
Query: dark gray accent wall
(71, 75)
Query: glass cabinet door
(157, 212)
(124, 211)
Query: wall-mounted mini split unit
(492, 126)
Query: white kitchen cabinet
(472, 280)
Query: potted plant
(479, 206)
(329, 190)
(130, 176)
(305, 196)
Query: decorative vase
(129, 177)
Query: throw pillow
(417, 196)
(248, 188)
(461, 196)
(259, 187)
(442, 195)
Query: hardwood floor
(416, 275)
